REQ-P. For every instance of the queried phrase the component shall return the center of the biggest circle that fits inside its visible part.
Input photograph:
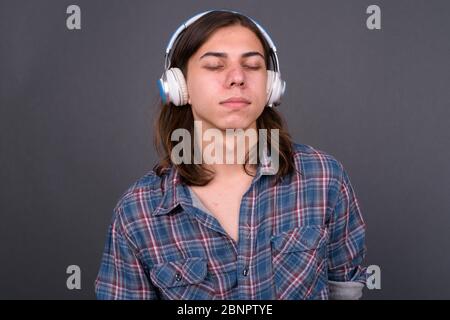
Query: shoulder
(141, 197)
(313, 162)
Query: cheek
(259, 88)
(203, 88)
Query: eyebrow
(224, 55)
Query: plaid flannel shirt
(295, 238)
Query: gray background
(76, 126)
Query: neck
(223, 151)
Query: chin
(244, 128)
(235, 123)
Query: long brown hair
(172, 117)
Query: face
(226, 80)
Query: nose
(236, 78)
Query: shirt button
(245, 272)
(178, 277)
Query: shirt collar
(175, 192)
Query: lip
(235, 102)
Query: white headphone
(172, 85)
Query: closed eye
(213, 67)
(253, 67)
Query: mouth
(235, 103)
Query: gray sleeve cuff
(348, 290)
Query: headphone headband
(191, 20)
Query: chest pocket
(182, 279)
(299, 259)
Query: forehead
(232, 38)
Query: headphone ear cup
(275, 88)
(269, 85)
(176, 87)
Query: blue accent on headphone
(162, 93)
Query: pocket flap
(300, 239)
(179, 273)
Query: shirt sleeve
(346, 247)
(121, 275)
